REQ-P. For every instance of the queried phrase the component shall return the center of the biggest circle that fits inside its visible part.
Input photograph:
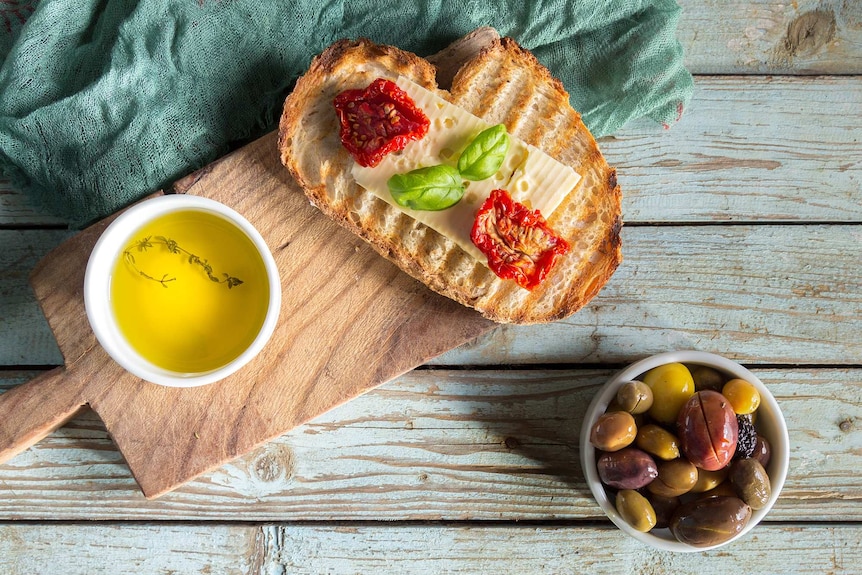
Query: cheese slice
(531, 177)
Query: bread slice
(502, 83)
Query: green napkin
(103, 102)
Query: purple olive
(628, 468)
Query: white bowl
(770, 424)
(97, 286)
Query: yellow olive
(634, 397)
(675, 478)
(708, 480)
(706, 377)
(742, 395)
(672, 385)
(635, 509)
(657, 441)
(614, 430)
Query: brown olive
(634, 397)
(709, 521)
(706, 377)
(708, 430)
(613, 431)
(762, 451)
(613, 406)
(664, 508)
(657, 441)
(675, 477)
(628, 468)
(635, 510)
(751, 483)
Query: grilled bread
(501, 83)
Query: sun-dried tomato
(518, 242)
(378, 120)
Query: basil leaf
(485, 154)
(432, 188)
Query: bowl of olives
(685, 450)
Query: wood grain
(761, 294)
(117, 549)
(349, 321)
(345, 549)
(489, 449)
(431, 445)
(732, 37)
(17, 209)
(699, 287)
(723, 163)
(790, 139)
(748, 149)
(25, 338)
(771, 37)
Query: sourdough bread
(503, 83)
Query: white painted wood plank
(431, 445)
(25, 338)
(139, 549)
(748, 149)
(78, 549)
(761, 294)
(771, 36)
(561, 550)
(782, 294)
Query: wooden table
(743, 235)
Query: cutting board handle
(34, 409)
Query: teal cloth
(103, 102)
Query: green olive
(675, 478)
(635, 510)
(614, 430)
(751, 483)
(635, 397)
(657, 441)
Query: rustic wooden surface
(349, 322)
(743, 237)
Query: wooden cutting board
(349, 322)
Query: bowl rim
(778, 437)
(97, 288)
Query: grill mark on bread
(532, 103)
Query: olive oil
(190, 291)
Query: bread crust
(504, 83)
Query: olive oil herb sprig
(144, 244)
